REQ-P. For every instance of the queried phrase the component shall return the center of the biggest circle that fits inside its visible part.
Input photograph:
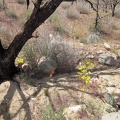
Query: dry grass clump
(83, 8)
(5, 36)
(1, 6)
(72, 13)
(114, 25)
(65, 5)
(21, 1)
(12, 14)
(58, 23)
(24, 16)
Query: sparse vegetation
(1, 6)
(72, 13)
(21, 1)
(58, 39)
(12, 14)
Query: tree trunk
(8, 56)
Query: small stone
(90, 56)
(110, 84)
(110, 89)
(107, 46)
(99, 52)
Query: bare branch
(91, 4)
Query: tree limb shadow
(6, 102)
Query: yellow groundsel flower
(82, 89)
(79, 73)
(20, 61)
(89, 72)
(88, 78)
(87, 82)
(114, 92)
(82, 67)
(83, 77)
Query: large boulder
(46, 65)
(107, 59)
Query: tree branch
(91, 4)
(38, 16)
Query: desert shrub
(50, 114)
(65, 5)
(58, 23)
(99, 28)
(11, 14)
(54, 48)
(117, 14)
(83, 9)
(21, 1)
(72, 13)
(24, 17)
(5, 36)
(114, 25)
(1, 6)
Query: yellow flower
(83, 71)
(87, 82)
(89, 72)
(79, 73)
(82, 89)
(82, 67)
(90, 64)
(83, 77)
(20, 61)
(88, 78)
(114, 92)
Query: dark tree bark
(8, 56)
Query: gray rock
(107, 59)
(93, 38)
(46, 65)
(111, 116)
